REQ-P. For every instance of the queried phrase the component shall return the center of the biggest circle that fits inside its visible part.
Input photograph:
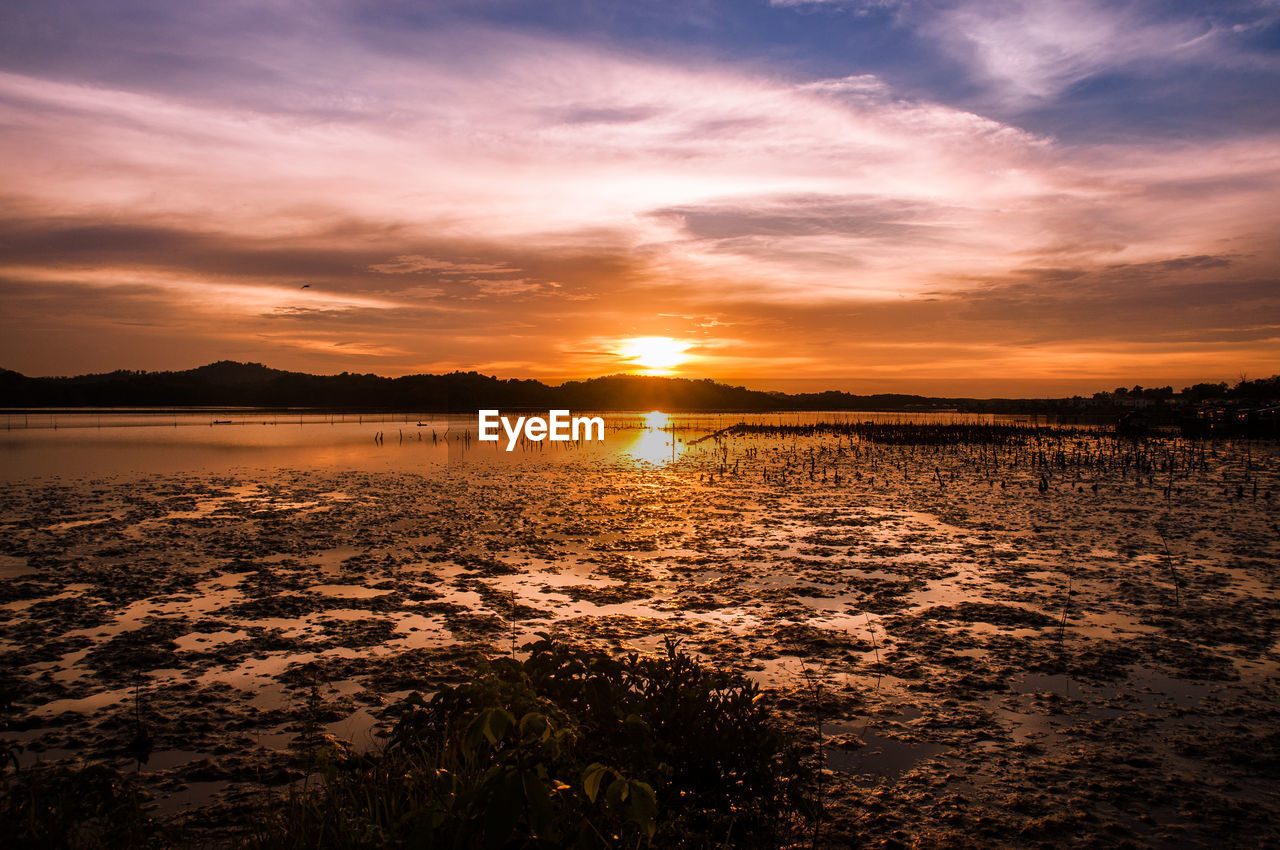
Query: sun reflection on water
(656, 443)
(656, 419)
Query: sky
(964, 197)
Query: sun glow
(656, 419)
(657, 441)
(657, 354)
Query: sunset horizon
(977, 388)
(1035, 199)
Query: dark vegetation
(72, 806)
(912, 433)
(985, 447)
(1049, 452)
(229, 384)
(65, 805)
(1258, 391)
(569, 748)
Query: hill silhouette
(232, 384)
(228, 383)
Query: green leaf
(617, 794)
(539, 800)
(536, 725)
(496, 722)
(643, 807)
(591, 779)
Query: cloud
(414, 263)
(506, 287)
(856, 6)
(1030, 50)
(806, 215)
(424, 183)
(337, 347)
(1077, 68)
(858, 86)
(489, 157)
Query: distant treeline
(1244, 391)
(231, 384)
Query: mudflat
(1067, 643)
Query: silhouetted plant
(71, 806)
(568, 748)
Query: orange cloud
(541, 196)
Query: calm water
(59, 444)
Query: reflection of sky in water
(67, 444)
(655, 446)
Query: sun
(655, 353)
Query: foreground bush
(569, 748)
(70, 806)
